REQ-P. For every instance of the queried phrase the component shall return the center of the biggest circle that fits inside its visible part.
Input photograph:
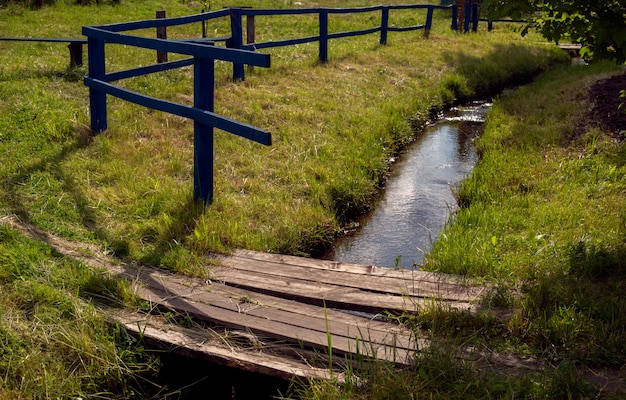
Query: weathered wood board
(255, 294)
(197, 343)
(286, 320)
(345, 286)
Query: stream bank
(418, 197)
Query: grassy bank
(543, 217)
(129, 190)
(545, 210)
(544, 213)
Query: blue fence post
(384, 24)
(455, 18)
(475, 13)
(323, 18)
(236, 41)
(490, 25)
(97, 98)
(203, 98)
(429, 21)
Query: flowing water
(418, 197)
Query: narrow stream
(418, 197)
(414, 207)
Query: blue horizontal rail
(164, 22)
(46, 39)
(180, 47)
(302, 11)
(324, 35)
(361, 32)
(209, 118)
(491, 21)
(280, 43)
(150, 69)
(75, 45)
(406, 28)
(202, 54)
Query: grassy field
(335, 126)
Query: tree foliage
(598, 25)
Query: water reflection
(418, 198)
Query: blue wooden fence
(324, 35)
(203, 54)
(203, 59)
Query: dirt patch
(605, 100)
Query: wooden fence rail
(203, 53)
(203, 59)
(75, 45)
(324, 35)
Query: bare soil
(605, 99)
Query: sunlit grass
(54, 343)
(544, 210)
(130, 189)
(334, 127)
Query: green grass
(130, 189)
(439, 375)
(543, 213)
(334, 127)
(53, 342)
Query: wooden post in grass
(384, 24)
(475, 14)
(429, 22)
(97, 98)
(236, 40)
(467, 18)
(203, 26)
(204, 82)
(250, 35)
(161, 33)
(323, 41)
(455, 18)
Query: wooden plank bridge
(273, 314)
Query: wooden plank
(300, 325)
(276, 330)
(332, 295)
(168, 286)
(283, 311)
(201, 290)
(354, 268)
(405, 284)
(193, 343)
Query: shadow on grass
(578, 315)
(488, 75)
(50, 161)
(69, 74)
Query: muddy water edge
(418, 197)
